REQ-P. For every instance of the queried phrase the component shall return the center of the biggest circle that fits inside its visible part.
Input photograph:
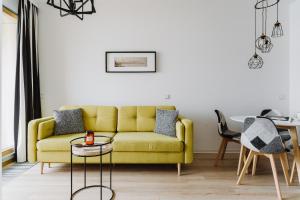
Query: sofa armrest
(188, 140)
(46, 129)
(33, 126)
(180, 131)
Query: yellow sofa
(132, 129)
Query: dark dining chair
(226, 134)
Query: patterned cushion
(166, 122)
(68, 121)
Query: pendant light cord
(263, 19)
(266, 16)
(277, 11)
(255, 31)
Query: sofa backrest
(98, 118)
(138, 118)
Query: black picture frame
(133, 52)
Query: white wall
(294, 57)
(203, 48)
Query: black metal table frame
(101, 186)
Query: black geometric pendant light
(263, 42)
(77, 8)
(255, 62)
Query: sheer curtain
(27, 86)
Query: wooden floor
(153, 182)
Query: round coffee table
(97, 149)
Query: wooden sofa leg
(42, 167)
(179, 169)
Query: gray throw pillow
(68, 121)
(166, 122)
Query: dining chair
(227, 136)
(261, 137)
(284, 134)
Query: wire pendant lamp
(264, 42)
(77, 8)
(277, 28)
(255, 62)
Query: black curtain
(27, 87)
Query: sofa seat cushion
(62, 142)
(146, 142)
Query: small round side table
(85, 151)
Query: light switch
(167, 96)
(282, 97)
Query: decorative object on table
(130, 61)
(226, 134)
(86, 151)
(77, 8)
(89, 138)
(68, 121)
(166, 122)
(264, 42)
(261, 137)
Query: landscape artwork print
(130, 61)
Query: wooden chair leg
(254, 164)
(178, 169)
(224, 149)
(220, 151)
(287, 160)
(293, 172)
(241, 159)
(285, 167)
(248, 162)
(244, 159)
(42, 167)
(272, 161)
(49, 165)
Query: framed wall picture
(130, 61)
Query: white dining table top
(241, 119)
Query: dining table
(290, 125)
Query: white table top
(242, 118)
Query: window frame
(9, 12)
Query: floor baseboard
(229, 155)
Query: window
(8, 64)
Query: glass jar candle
(89, 138)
